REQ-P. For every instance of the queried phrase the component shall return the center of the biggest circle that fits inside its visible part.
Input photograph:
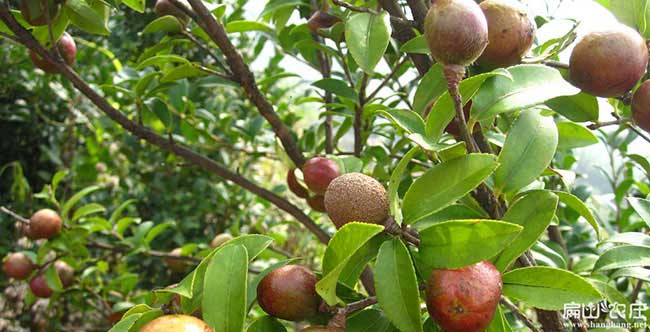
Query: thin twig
(597, 125)
(200, 45)
(15, 215)
(520, 315)
(398, 20)
(556, 64)
(387, 79)
(638, 131)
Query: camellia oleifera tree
(455, 208)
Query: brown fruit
(289, 293)
(176, 265)
(321, 20)
(166, 7)
(220, 239)
(317, 203)
(318, 172)
(18, 266)
(65, 272)
(510, 33)
(295, 186)
(33, 11)
(39, 287)
(464, 299)
(67, 49)
(456, 31)
(641, 106)
(44, 224)
(176, 323)
(356, 197)
(608, 63)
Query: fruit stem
(454, 74)
(15, 215)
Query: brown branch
(520, 315)
(15, 215)
(597, 125)
(358, 117)
(153, 138)
(394, 19)
(556, 64)
(419, 10)
(244, 76)
(635, 292)
(638, 132)
(360, 305)
(326, 72)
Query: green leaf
(394, 182)
(137, 5)
(224, 290)
(417, 45)
(443, 110)
(156, 230)
(573, 135)
(369, 320)
(527, 151)
(161, 60)
(266, 324)
(623, 256)
(432, 85)
(633, 238)
(530, 85)
(642, 208)
(56, 179)
(59, 25)
(548, 288)
(336, 87)
(343, 245)
(167, 23)
(192, 284)
(407, 120)
(499, 322)
(52, 279)
(581, 107)
(116, 214)
(273, 6)
(640, 273)
(84, 17)
(459, 243)
(75, 198)
(397, 288)
(610, 293)
(534, 212)
(182, 71)
(125, 324)
(579, 206)
(444, 184)
(88, 209)
(367, 36)
(244, 26)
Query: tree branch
(153, 138)
(520, 315)
(243, 75)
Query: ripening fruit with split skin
(456, 31)
(464, 299)
(65, 272)
(321, 20)
(39, 287)
(176, 323)
(295, 186)
(356, 197)
(289, 293)
(166, 7)
(641, 106)
(511, 33)
(176, 265)
(45, 224)
(220, 239)
(18, 266)
(68, 50)
(608, 63)
(34, 11)
(318, 172)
